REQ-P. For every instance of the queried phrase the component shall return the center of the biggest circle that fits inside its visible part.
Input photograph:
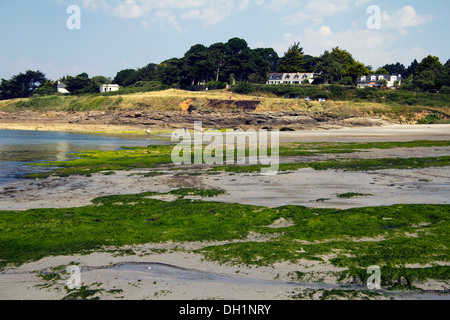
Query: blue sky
(117, 35)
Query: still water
(17, 148)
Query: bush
(347, 81)
(216, 85)
(339, 92)
(430, 119)
(445, 90)
(244, 88)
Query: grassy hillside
(169, 100)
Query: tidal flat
(295, 229)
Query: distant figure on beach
(148, 133)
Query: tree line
(234, 61)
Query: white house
(290, 78)
(109, 87)
(61, 87)
(373, 79)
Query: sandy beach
(174, 271)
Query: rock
(356, 281)
(185, 105)
(403, 281)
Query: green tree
(243, 64)
(411, 70)
(218, 56)
(383, 83)
(147, 73)
(22, 85)
(407, 83)
(343, 57)
(168, 71)
(195, 65)
(270, 57)
(293, 60)
(328, 69)
(236, 45)
(446, 75)
(125, 78)
(429, 74)
(80, 84)
(48, 88)
(99, 80)
(397, 68)
(425, 80)
(355, 70)
(310, 63)
(346, 81)
(381, 71)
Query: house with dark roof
(373, 80)
(290, 78)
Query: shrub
(445, 90)
(244, 88)
(216, 85)
(430, 119)
(347, 81)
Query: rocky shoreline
(138, 120)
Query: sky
(121, 34)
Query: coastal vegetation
(431, 108)
(408, 242)
(424, 88)
(90, 162)
(391, 237)
(234, 61)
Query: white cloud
(213, 13)
(368, 46)
(317, 10)
(361, 2)
(95, 4)
(206, 12)
(168, 13)
(166, 19)
(130, 9)
(244, 5)
(406, 17)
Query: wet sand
(306, 187)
